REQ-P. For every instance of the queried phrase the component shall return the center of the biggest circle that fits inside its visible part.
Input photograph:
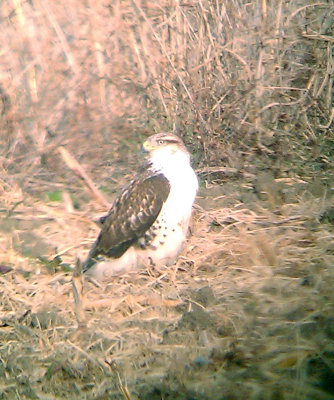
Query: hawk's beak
(145, 148)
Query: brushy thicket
(230, 76)
(247, 310)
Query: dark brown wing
(131, 215)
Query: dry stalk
(77, 288)
(73, 164)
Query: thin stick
(73, 164)
(223, 171)
(77, 287)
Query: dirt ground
(246, 313)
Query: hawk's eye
(161, 141)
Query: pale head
(165, 147)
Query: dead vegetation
(247, 312)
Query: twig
(68, 202)
(223, 171)
(60, 34)
(122, 387)
(319, 37)
(77, 288)
(73, 164)
(329, 123)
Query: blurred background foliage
(239, 80)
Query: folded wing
(131, 215)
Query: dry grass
(247, 312)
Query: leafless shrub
(243, 73)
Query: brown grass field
(247, 312)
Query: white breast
(184, 185)
(177, 208)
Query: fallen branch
(73, 164)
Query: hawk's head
(167, 153)
(164, 146)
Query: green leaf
(55, 196)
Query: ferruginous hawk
(148, 222)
